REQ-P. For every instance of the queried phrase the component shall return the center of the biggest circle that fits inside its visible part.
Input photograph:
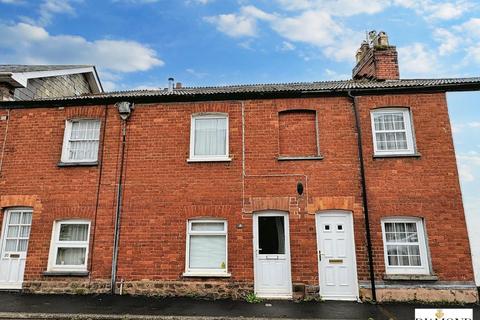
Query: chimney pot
(376, 60)
(171, 82)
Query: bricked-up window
(206, 248)
(80, 143)
(298, 133)
(405, 246)
(69, 247)
(209, 137)
(392, 131)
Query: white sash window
(405, 246)
(392, 131)
(81, 140)
(69, 249)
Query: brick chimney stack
(376, 60)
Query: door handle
(319, 255)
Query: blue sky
(140, 43)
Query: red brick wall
(297, 133)
(378, 63)
(426, 187)
(33, 149)
(162, 190)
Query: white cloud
(466, 173)
(201, 2)
(337, 7)
(334, 75)
(28, 44)
(449, 42)
(286, 46)
(469, 166)
(254, 12)
(242, 24)
(417, 60)
(48, 8)
(475, 124)
(437, 10)
(313, 27)
(196, 74)
(471, 27)
(234, 25)
(137, 1)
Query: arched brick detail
(316, 204)
(21, 201)
(289, 204)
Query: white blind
(210, 136)
(207, 252)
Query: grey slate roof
(34, 68)
(321, 86)
(299, 89)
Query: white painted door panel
(336, 255)
(13, 247)
(272, 255)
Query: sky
(138, 44)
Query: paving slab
(29, 306)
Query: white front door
(272, 255)
(336, 256)
(13, 247)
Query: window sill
(227, 159)
(77, 164)
(299, 158)
(206, 274)
(66, 273)
(409, 277)
(407, 155)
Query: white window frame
(424, 268)
(208, 158)
(56, 243)
(66, 141)
(192, 272)
(407, 117)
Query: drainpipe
(364, 194)
(124, 109)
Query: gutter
(364, 195)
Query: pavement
(84, 307)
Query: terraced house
(343, 189)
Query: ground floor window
(405, 246)
(206, 248)
(69, 249)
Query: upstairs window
(405, 246)
(298, 134)
(69, 249)
(209, 137)
(81, 140)
(392, 132)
